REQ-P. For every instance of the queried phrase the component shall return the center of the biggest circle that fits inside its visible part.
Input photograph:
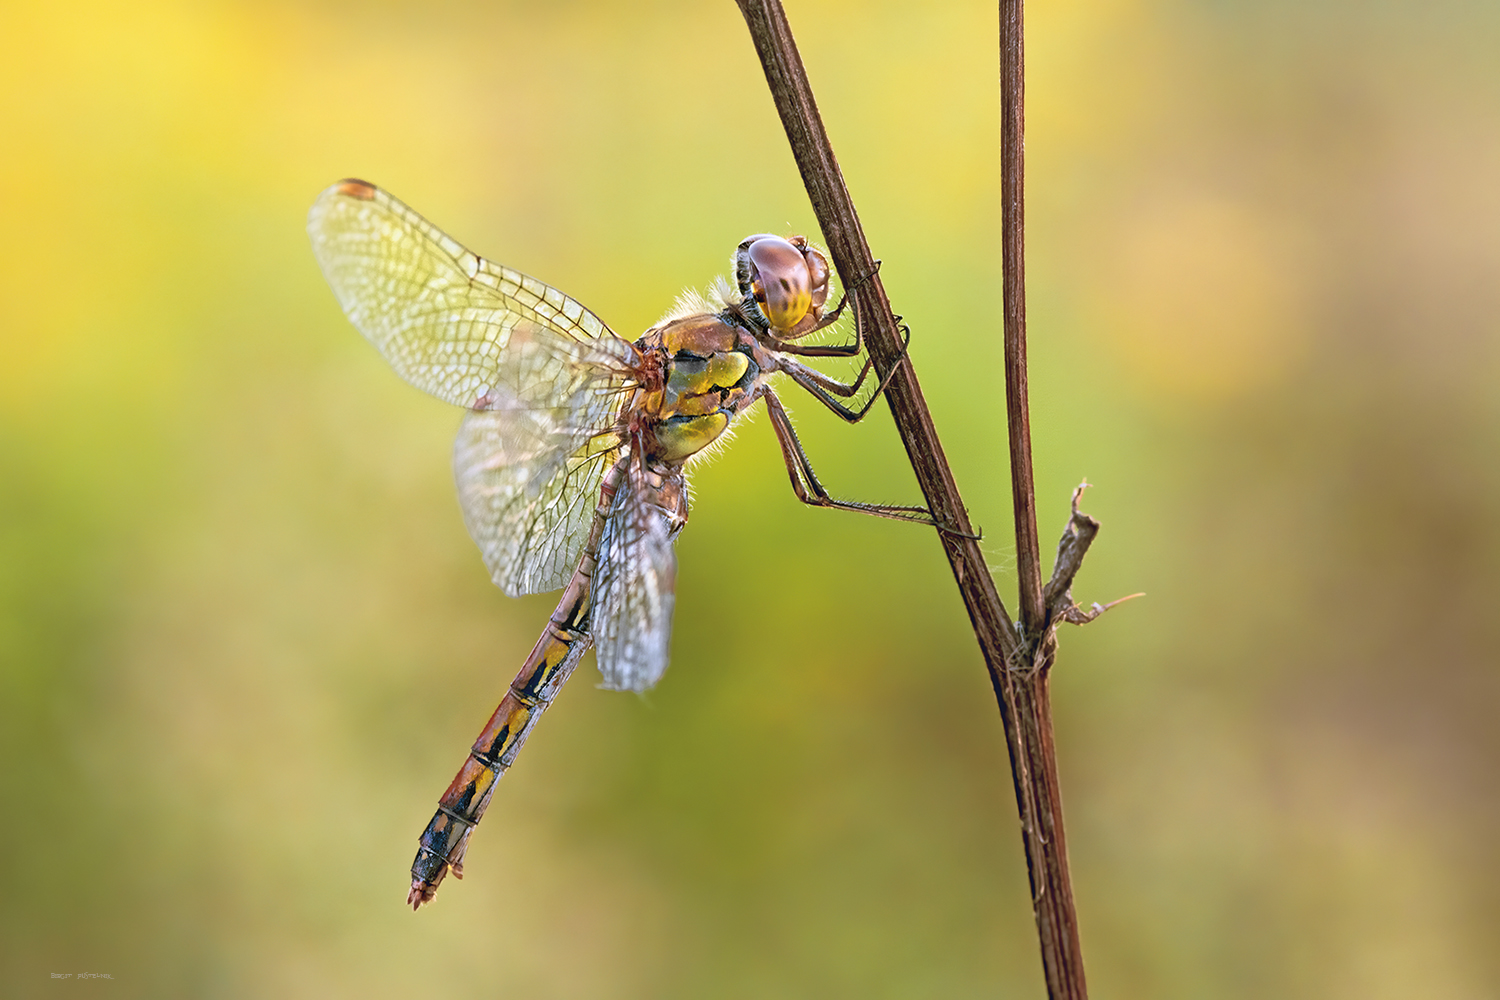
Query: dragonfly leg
(823, 388)
(805, 481)
(804, 375)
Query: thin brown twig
(1019, 660)
(1047, 861)
(1013, 286)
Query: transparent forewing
(635, 586)
(529, 486)
(542, 375)
(443, 316)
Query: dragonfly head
(783, 282)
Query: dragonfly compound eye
(780, 281)
(817, 272)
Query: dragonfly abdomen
(444, 841)
(552, 660)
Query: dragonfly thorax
(710, 371)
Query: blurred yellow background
(245, 641)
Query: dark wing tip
(353, 187)
(349, 187)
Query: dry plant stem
(1018, 660)
(1013, 281)
(1027, 686)
(851, 254)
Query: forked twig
(1018, 658)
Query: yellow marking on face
(783, 284)
(785, 310)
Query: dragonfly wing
(635, 585)
(541, 373)
(443, 316)
(528, 488)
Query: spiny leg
(801, 372)
(819, 386)
(805, 481)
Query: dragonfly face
(783, 282)
(570, 459)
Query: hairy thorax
(710, 371)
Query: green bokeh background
(244, 640)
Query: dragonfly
(570, 460)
